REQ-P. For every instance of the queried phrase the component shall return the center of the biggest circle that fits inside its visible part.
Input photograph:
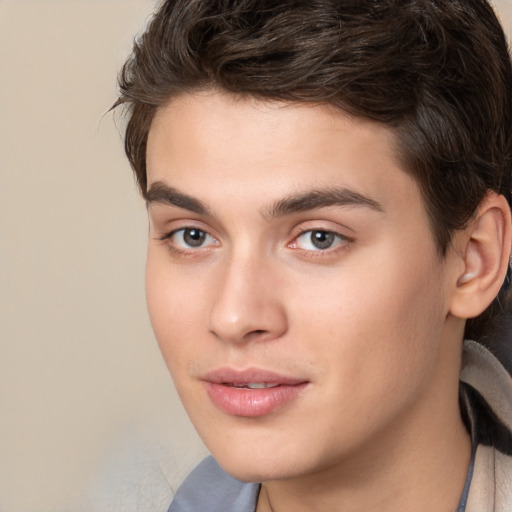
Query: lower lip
(251, 402)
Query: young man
(328, 186)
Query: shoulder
(490, 413)
(209, 487)
(491, 488)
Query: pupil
(322, 239)
(194, 237)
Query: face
(293, 282)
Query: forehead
(219, 147)
(223, 118)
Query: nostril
(255, 334)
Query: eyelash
(338, 239)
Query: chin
(254, 470)
(259, 463)
(252, 453)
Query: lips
(252, 392)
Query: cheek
(175, 304)
(374, 325)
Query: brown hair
(437, 72)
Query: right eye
(189, 238)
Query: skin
(366, 322)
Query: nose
(247, 304)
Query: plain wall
(89, 420)
(86, 403)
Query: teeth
(261, 385)
(256, 385)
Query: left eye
(187, 238)
(318, 240)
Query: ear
(484, 247)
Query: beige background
(88, 417)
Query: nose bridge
(246, 303)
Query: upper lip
(249, 375)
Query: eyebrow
(161, 193)
(322, 198)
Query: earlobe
(485, 253)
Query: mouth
(251, 393)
